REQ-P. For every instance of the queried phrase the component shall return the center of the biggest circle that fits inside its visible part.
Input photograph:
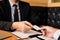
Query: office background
(39, 9)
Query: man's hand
(48, 31)
(22, 26)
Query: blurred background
(39, 9)
(40, 2)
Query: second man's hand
(48, 31)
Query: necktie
(15, 13)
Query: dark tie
(15, 13)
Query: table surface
(13, 37)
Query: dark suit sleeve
(59, 38)
(4, 25)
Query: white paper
(34, 38)
(24, 35)
(46, 38)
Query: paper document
(27, 34)
(24, 35)
(46, 38)
(34, 38)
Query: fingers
(28, 24)
(44, 30)
(27, 28)
(47, 31)
(22, 26)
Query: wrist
(14, 25)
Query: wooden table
(13, 37)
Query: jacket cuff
(56, 34)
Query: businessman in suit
(14, 15)
(52, 32)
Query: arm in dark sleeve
(6, 26)
(59, 38)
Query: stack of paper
(24, 35)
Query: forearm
(6, 26)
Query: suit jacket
(5, 14)
(6, 10)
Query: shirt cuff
(56, 34)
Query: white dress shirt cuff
(56, 34)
